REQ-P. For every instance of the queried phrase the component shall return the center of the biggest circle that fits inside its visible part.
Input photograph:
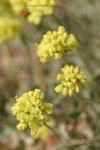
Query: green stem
(57, 136)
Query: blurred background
(76, 119)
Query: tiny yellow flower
(55, 44)
(31, 112)
(72, 79)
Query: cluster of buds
(31, 111)
(55, 44)
(72, 79)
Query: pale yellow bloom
(72, 80)
(31, 112)
(55, 44)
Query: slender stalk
(57, 136)
(61, 145)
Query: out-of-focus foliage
(76, 118)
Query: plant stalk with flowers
(29, 108)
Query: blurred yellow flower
(9, 29)
(44, 131)
(35, 8)
(18, 5)
(38, 8)
(72, 80)
(55, 44)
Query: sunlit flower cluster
(35, 8)
(31, 111)
(55, 44)
(9, 29)
(72, 80)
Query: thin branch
(57, 136)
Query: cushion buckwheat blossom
(55, 44)
(31, 111)
(72, 80)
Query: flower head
(55, 44)
(72, 79)
(31, 111)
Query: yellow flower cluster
(72, 79)
(9, 29)
(31, 111)
(35, 8)
(55, 44)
